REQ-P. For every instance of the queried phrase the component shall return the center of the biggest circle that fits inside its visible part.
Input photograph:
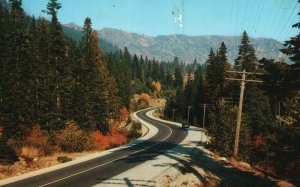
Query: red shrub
(258, 141)
(124, 113)
(38, 139)
(116, 139)
(1, 130)
(112, 139)
(100, 142)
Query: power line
(284, 26)
(278, 23)
(259, 10)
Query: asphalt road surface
(95, 171)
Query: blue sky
(190, 17)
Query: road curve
(99, 169)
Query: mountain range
(186, 48)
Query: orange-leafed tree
(99, 141)
(145, 97)
(157, 86)
(124, 113)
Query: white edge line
(84, 158)
(109, 161)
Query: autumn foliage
(124, 113)
(144, 97)
(157, 86)
(71, 138)
(111, 139)
(36, 143)
(99, 141)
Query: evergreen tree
(217, 66)
(155, 70)
(161, 72)
(201, 92)
(135, 67)
(246, 59)
(141, 71)
(274, 82)
(95, 82)
(190, 92)
(168, 80)
(178, 82)
(44, 101)
(18, 97)
(60, 74)
(4, 30)
(149, 68)
(210, 68)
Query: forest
(64, 94)
(61, 94)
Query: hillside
(75, 32)
(187, 48)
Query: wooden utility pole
(204, 109)
(189, 113)
(173, 114)
(239, 116)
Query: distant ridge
(186, 48)
(75, 32)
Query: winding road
(99, 169)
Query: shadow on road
(128, 182)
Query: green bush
(63, 159)
(135, 130)
(72, 138)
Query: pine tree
(4, 30)
(246, 59)
(210, 66)
(43, 96)
(18, 98)
(178, 82)
(149, 67)
(217, 66)
(201, 96)
(60, 75)
(274, 82)
(161, 72)
(168, 80)
(135, 67)
(95, 85)
(141, 71)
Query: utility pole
(189, 113)
(204, 106)
(279, 113)
(203, 123)
(173, 114)
(239, 116)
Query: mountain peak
(73, 26)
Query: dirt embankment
(203, 168)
